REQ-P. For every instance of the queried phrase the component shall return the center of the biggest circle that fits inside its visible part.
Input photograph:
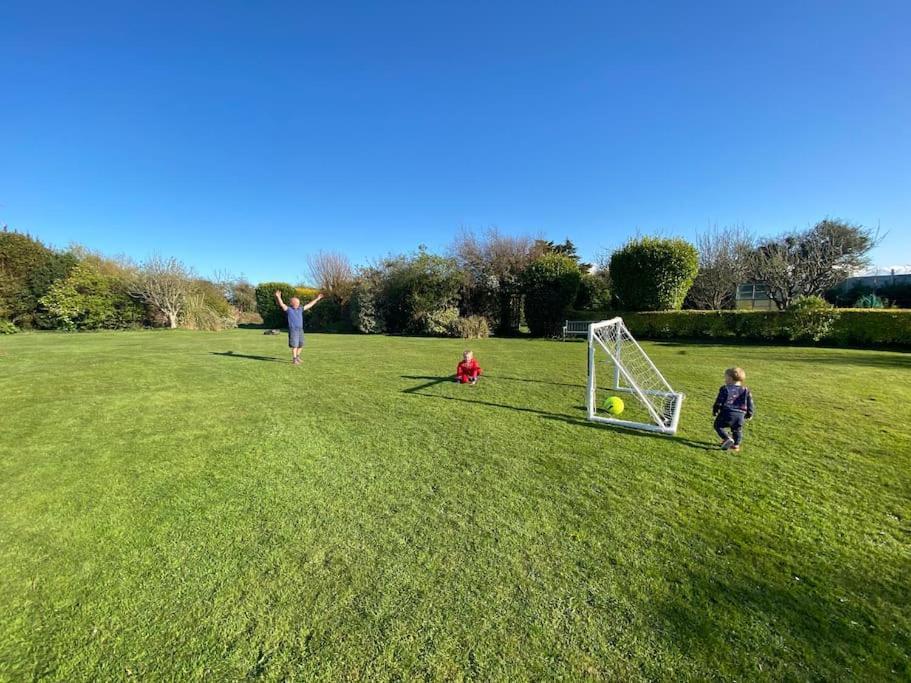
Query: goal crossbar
(634, 373)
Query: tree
(653, 273)
(724, 263)
(493, 264)
(365, 310)
(568, 248)
(809, 262)
(243, 296)
(594, 292)
(163, 284)
(332, 273)
(551, 283)
(419, 292)
(236, 290)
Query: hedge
(850, 326)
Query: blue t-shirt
(295, 318)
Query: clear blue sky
(243, 135)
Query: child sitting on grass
(468, 370)
(732, 408)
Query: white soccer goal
(613, 349)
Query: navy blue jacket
(734, 397)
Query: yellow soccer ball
(613, 405)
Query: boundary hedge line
(849, 326)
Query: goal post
(631, 371)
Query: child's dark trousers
(733, 419)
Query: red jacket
(468, 368)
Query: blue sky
(242, 136)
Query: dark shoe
(727, 445)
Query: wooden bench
(576, 328)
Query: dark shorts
(295, 338)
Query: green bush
(872, 327)
(88, 299)
(594, 293)
(438, 323)
(551, 283)
(364, 309)
(653, 274)
(27, 270)
(809, 317)
(7, 327)
(471, 327)
(852, 327)
(268, 308)
(329, 315)
(208, 309)
(417, 290)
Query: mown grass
(185, 506)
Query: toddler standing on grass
(468, 370)
(732, 408)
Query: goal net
(616, 363)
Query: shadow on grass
(559, 417)
(721, 602)
(538, 381)
(892, 359)
(231, 354)
(451, 378)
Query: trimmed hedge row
(849, 326)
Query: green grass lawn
(186, 505)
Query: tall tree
(494, 264)
(332, 273)
(806, 263)
(724, 263)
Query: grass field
(181, 505)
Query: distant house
(752, 296)
(892, 286)
(874, 282)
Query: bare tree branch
(332, 273)
(810, 262)
(164, 284)
(724, 263)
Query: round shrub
(6, 327)
(266, 305)
(439, 322)
(551, 283)
(653, 274)
(471, 327)
(809, 318)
